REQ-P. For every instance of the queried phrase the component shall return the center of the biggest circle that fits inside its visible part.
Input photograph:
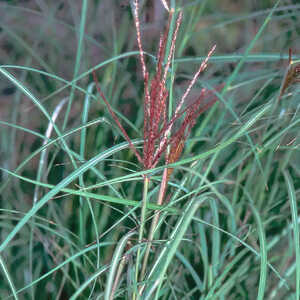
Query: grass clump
(201, 199)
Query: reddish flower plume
(158, 132)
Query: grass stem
(142, 225)
(154, 222)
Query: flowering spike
(291, 75)
(201, 69)
(157, 131)
(138, 32)
(172, 48)
(167, 131)
(139, 41)
(116, 118)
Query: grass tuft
(149, 150)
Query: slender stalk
(155, 219)
(141, 230)
(118, 276)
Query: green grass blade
(8, 277)
(263, 255)
(157, 274)
(191, 269)
(78, 57)
(216, 238)
(114, 265)
(100, 197)
(294, 213)
(65, 182)
(39, 105)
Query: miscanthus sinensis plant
(201, 199)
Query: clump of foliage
(200, 201)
